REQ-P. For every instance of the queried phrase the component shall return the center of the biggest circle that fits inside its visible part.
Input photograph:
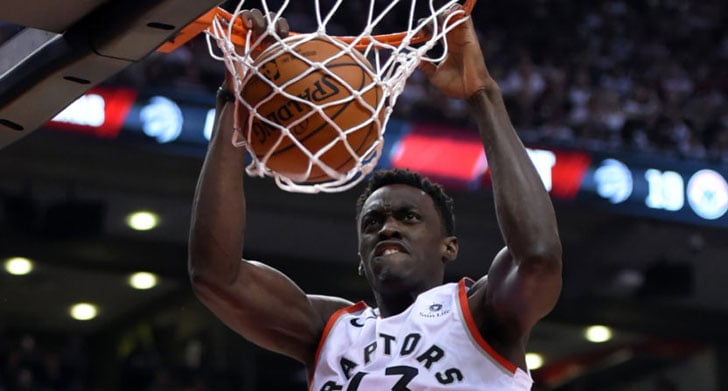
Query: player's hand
(463, 72)
(257, 22)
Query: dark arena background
(623, 104)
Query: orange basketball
(315, 87)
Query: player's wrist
(476, 99)
(224, 95)
(488, 89)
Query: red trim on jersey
(329, 325)
(473, 329)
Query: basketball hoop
(391, 58)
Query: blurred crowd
(644, 75)
(27, 365)
(148, 356)
(650, 76)
(30, 362)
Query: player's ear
(450, 248)
(360, 269)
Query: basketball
(306, 87)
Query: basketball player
(423, 334)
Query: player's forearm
(218, 210)
(523, 207)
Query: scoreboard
(651, 185)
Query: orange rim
(239, 31)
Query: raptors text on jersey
(433, 345)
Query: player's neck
(393, 304)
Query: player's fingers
(229, 81)
(247, 19)
(456, 8)
(433, 24)
(282, 27)
(254, 20)
(426, 25)
(427, 68)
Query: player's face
(402, 242)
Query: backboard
(68, 48)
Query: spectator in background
(607, 72)
(522, 87)
(641, 109)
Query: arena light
(101, 112)
(142, 220)
(18, 266)
(84, 311)
(143, 280)
(598, 334)
(534, 361)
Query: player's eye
(411, 216)
(370, 222)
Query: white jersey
(433, 345)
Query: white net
(317, 121)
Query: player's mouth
(389, 248)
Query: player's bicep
(268, 309)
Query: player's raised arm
(257, 301)
(524, 281)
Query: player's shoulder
(475, 287)
(326, 306)
(468, 285)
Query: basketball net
(393, 58)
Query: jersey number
(405, 373)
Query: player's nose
(391, 228)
